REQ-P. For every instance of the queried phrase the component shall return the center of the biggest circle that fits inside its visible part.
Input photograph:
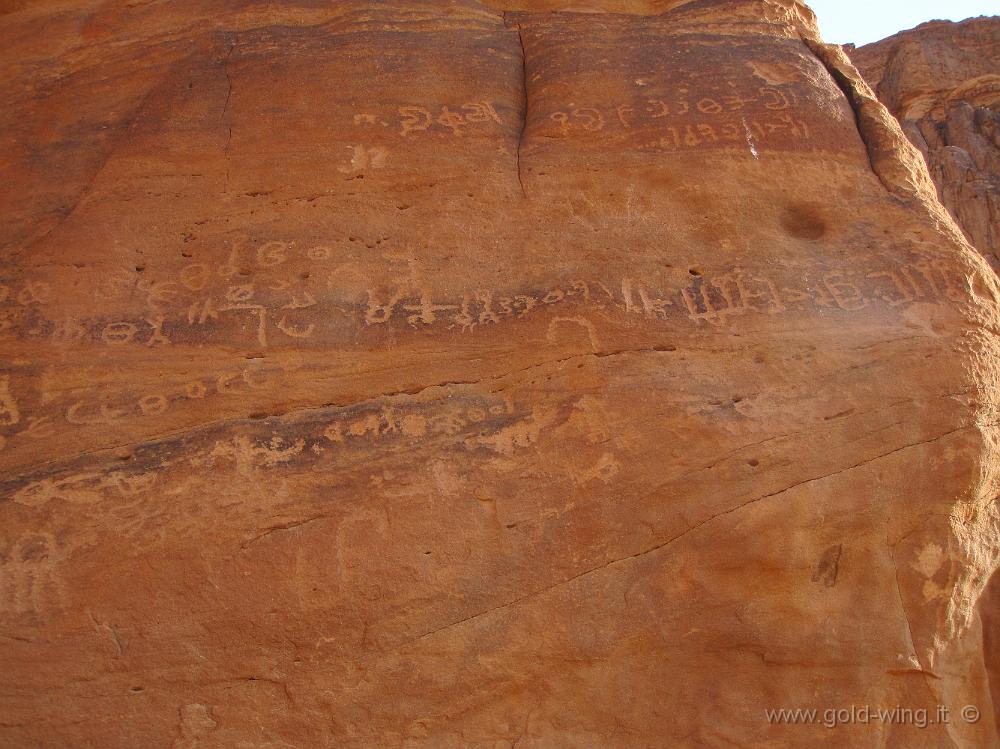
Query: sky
(864, 21)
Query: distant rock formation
(942, 80)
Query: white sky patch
(863, 21)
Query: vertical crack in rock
(229, 82)
(524, 104)
(225, 107)
(524, 110)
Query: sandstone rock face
(436, 374)
(942, 80)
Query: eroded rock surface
(942, 80)
(451, 375)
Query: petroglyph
(324, 436)
(30, 578)
(10, 415)
(719, 114)
(453, 120)
(283, 311)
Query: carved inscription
(249, 299)
(449, 119)
(467, 422)
(10, 415)
(99, 408)
(731, 112)
(30, 579)
(255, 299)
(475, 421)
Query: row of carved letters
(710, 299)
(373, 424)
(595, 118)
(416, 119)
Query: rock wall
(441, 374)
(942, 80)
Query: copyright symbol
(970, 714)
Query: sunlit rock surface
(943, 82)
(456, 375)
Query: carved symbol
(157, 337)
(426, 311)
(378, 313)
(480, 111)
(29, 579)
(845, 294)
(195, 389)
(200, 312)
(451, 120)
(293, 331)
(300, 300)
(119, 332)
(774, 99)
(320, 252)
(40, 427)
(592, 119)
(34, 292)
(414, 119)
(621, 111)
(153, 405)
(828, 567)
(709, 106)
(563, 119)
(157, 292)
(900, 294)
(68, 331)
(271, 254)
(9, 413)
(364, 158)
(657, 108)
(583, 322)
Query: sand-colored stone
(436, 374)
(942, 80)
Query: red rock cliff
(942, 80)
(441, 374)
